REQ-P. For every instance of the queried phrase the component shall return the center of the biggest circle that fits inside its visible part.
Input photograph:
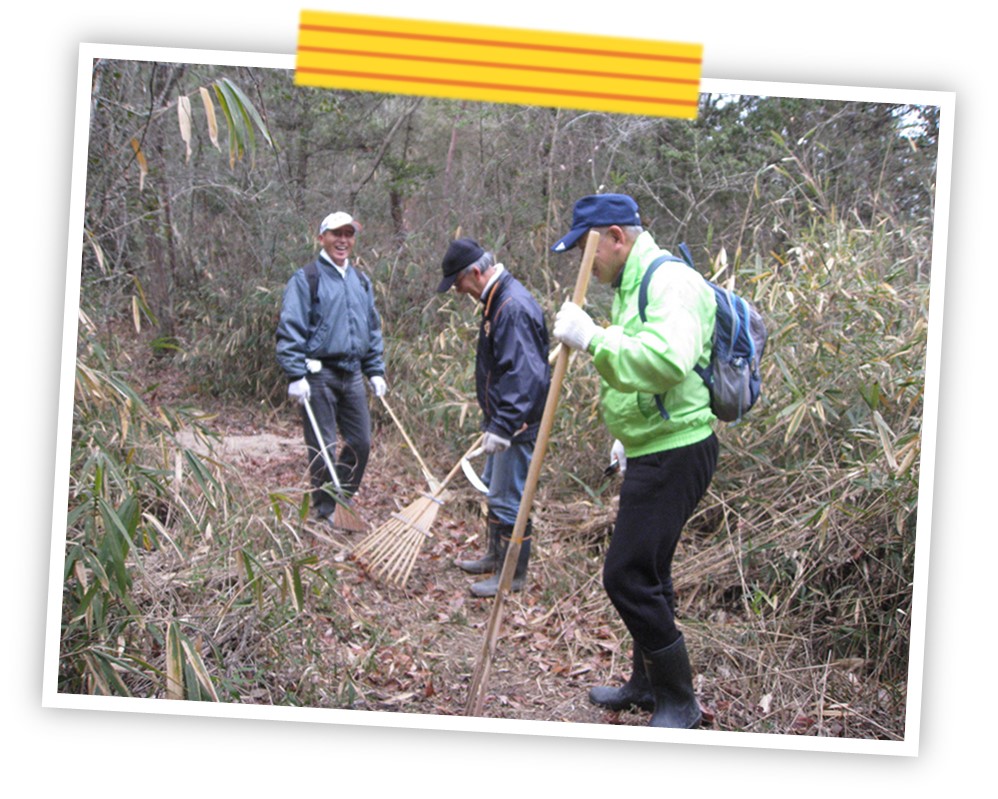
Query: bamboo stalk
(476, 696)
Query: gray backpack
(732, 376)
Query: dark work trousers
(339, 402)
(659, 494)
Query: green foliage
(820, 211)
(235, 355)
(150, 526)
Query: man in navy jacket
(512, 376)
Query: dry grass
(794, 577)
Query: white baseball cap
(336, 220)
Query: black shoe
(671, 680)
(636, 692)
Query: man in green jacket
(658, 410)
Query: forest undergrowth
(193, 569)
(195, 572)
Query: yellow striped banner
(491, 64)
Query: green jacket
(637, 360)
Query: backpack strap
(646, 281)
(312, 275)
(687, 258)
(643, 307)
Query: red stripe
(550, 48)
(468, 63)
(499, 87)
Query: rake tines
(391, 550)
(346, 518)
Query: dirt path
(414, 650)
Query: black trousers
(659, 494)
(339, 402)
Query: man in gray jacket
(328, 339)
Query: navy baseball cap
(460, 253)
(598, 210)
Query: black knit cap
(460, 253)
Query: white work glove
(379, 386)
(299, 390)
(617, 454)
(573, 327)
(494, 443)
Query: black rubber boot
(636, 692)
(490, 587)
(671, 680)
(491, 562)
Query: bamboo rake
(476, 697)
(391, 550)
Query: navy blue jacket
(512, 374)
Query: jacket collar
(644, 251)
(498, 274)
(325, 259)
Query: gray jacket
(346, 333)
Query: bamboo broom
(391, 550)
(476, 697)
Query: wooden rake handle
(477, 696)
(457, 466)
(434, 483)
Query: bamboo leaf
(174, 663)
(184, 118)
(234, 118)
(197, 666)
(98, 252)
(886, 435)
(143, 302)
(254, 582)
(223, 104)
(206, 481)
(250, 111)
(238, 109)
(115, 546)
(93, 668)
(911, 451)
(143, 165)
(102, 668)
(795, 422)
(96, 569)
(297, 591)
(209, 112)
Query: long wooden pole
(476, 698)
